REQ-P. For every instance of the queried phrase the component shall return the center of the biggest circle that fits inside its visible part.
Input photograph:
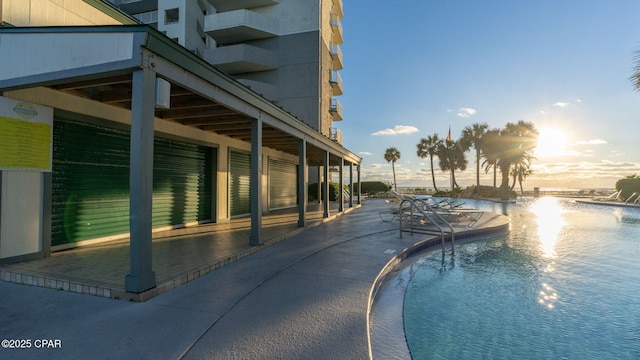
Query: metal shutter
(91, 182)
(283, 181)
(240, 183)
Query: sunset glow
(551, 143)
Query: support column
(255, 238)
(325, 185)
(302, 183)
(341, 184)
(350, 185)
(319, 187)
(141, 276)
(359, 186)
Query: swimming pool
(563, 284)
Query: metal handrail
(421, 210)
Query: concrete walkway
(305, 297)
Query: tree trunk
(521, 189)
(495, 174)
(477, 172)
(504, 186)
(453, 181)
(433, 176)
(393, 167)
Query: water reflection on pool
(562, 284)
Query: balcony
(336, 83)
(336, 29)
(336, 135)
(239, 26)
(243, 58)
(336, 57)
(149, 18)
(136, 6)
(337, 8)
(336, 110)
(226, 5)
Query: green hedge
(372, 187)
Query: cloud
(365, 153)
(375, 166)
(592, 142)
(398, 129)
(561, 104)
(466, 112)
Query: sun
(552, 142)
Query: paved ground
(305, 297)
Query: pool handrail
(631, 197)
(415, 204)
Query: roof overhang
(97, 63)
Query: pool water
(563, 284)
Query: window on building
(171, 16)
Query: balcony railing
(336, 29)
(239, 26)
(336, 57)
(336, 110)
(336, 135)
(336, 83)
(243, 58)
(228, 5)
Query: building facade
(136, 133)
(287, 50)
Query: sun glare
(551, 143)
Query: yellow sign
(26, 136)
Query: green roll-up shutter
(91, 182)
(282, 184)
(240, 183)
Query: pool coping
(420, 247)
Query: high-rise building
(286, 50)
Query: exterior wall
(52, 13)
(299, 77)
(22, 204)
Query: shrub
(334, 191)
(373, 187)
(628, 186)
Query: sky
(413, 68)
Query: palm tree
(452, 158)
(392, 155)
(490, 149)
(473, 136)
(429, 146)
(520, 171)
(517, 142)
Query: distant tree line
(509, 150)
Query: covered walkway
(179, 256)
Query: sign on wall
(26, 136)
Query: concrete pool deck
(304, 297)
